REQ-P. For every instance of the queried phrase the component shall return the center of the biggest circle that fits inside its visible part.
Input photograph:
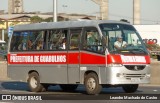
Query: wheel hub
(33, 82)
(91, 83)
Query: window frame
(83, 37)
(79, 40)
(66, 36)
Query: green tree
(36, 19)
(50, 19)
(14, 23)
(1, 22)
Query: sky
(118, 9)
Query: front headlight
(148, 75)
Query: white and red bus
(78, 52)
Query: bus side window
(19, 41)
(36, 40)
(74, 39)
(14, 45)
(91, 40)
(57, 40)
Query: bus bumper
(123, 75)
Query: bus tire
(68, 87)
(130, 88)
(92, 85)
(34, 83)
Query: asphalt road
(151, 94)
(22, 88)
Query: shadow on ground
(15, 86)
(22, 86)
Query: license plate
(135, 79)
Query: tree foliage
(1, 22)
(36, 19)
(14, 23)
(50, 19)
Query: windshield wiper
(115, 51)
(140, 50)
(128, 51)
(122, 51)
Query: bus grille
(135, 67)
(128, 76)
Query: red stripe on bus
(87, 58)
(74, 58)
(117, 59)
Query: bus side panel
(73, 74)
(51, 67)
(93, 62)
(18, 72)
(102, 75)
(54, 74)
(100, 70)
(73, 67)
(47, 73)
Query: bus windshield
(122, 38)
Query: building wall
(15, 21)
(15, 6)
(10, 6)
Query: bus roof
(64, 24)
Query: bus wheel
(130, 88)
(92, 85)
(34, 83)
(68, 87)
